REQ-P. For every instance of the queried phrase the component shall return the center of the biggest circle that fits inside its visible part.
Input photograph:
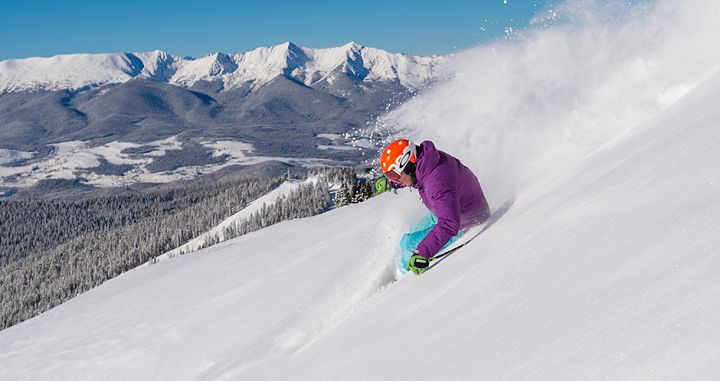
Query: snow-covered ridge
(218, 231)
(306, 65)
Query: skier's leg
(410, 241)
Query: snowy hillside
(219, 231)
(600, 137)
(257, 67)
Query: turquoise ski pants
(410, 241)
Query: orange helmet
(397, 155)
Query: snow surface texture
(308, 66)
(605, 266)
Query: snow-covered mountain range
(257, 67)
(287, 102)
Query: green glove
(382, 185)
(418, 264)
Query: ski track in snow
(361, 281)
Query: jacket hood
(428, 159)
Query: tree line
(53, 250)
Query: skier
(448, 189)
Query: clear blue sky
(195, 28)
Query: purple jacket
(451, 192)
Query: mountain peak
(352, 45)
(285, 46)
(293, 50)
(258, 66)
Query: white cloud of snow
(520, 107)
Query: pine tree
(366, 191)
(361, 191)
(343, 196)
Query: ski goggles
(392, 176)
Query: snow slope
(605, 265)
(259, 66)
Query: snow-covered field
(76, 159)
(70, 157)
(9, 156)
(603, 140)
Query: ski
(436, 259)
(450, 251)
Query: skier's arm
(447, 210)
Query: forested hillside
(52, 250)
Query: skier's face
(402, 178)
(406, 179)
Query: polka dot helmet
(396, 156)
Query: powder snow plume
(584, 73)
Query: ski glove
(382, 185)
(418, 264)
